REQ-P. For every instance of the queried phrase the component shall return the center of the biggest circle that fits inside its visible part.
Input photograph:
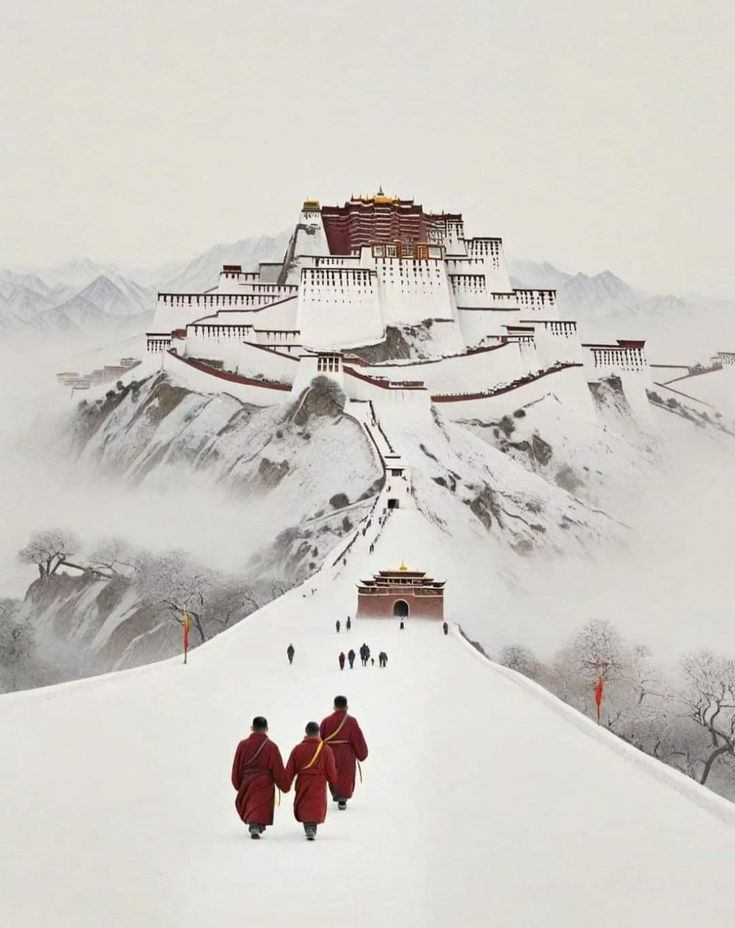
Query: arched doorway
(400, 609)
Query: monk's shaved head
(312, 729)
(340, 702)
(260, 724)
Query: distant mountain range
(606, 307)
(82, 294)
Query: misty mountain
(83, 294)
(606, 307)
(203, 272)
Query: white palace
(386, 298)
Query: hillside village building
(387, 299)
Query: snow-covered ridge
(473, 825)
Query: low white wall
(203, 382)
(569, 385)
(256, 362)
(470, 372)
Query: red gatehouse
(401, 594)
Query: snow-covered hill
(484, 801)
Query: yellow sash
(337, 730)
(314, 758)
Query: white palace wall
(556, 341)
(339, 307)
(413, 289)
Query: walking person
(446, 628)
(312, 765)
(349, 623)
(341, 660)
(383, 659)
(351, 657)
(290, 653)
(401, 626)
(257, 770)
(343, 734)
(338, 625)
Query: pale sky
(591, 134)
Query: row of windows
(216, 299)
(329, 363)
(330, 274)
(408, 250)
(407, 270)
(625, 359)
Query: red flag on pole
(599, 687)
(186, 623)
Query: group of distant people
(364, 652)
(327, 756)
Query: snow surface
(484, 801)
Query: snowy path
(481, 803)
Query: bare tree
(516, 657)
(599, 650)
(709, 695)
(231, 599)
(48, 550)
(176, 581)
(116, 556)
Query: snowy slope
(485, 801)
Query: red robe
(310, 801)
(256, 771)
(348, 744)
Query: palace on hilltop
(387, 299)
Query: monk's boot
(342, 804)
(255, 831)
(310, 830)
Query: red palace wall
(370, 606)
(365, 223)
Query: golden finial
(403, 566)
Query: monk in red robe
(312, 764)
(256, 771)
(343, 734)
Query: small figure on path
(446, 628)
(341, 660)
(338, 625)
(343, 734)
(383, 659)
(256, 771)
(349, 623)
(372, 661)
(401, 626)
(351, 657)
(290, 653)
(312, 764)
